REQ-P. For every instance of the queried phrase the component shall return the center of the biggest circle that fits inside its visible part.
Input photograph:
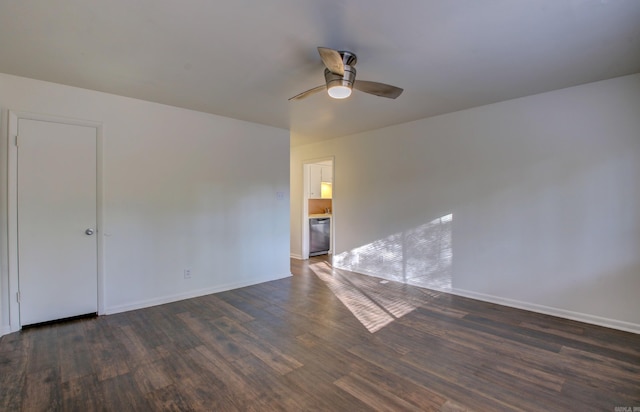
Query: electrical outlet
(187, 273)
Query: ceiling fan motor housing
(349, 60)
(346, 80)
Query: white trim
(547, 310)
(12, 221)
(296, 256)
(187, 295)
(305, 211)
(5, 331)
(100, 216)
(12, 211)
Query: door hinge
(18, 296)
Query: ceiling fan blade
(308, 92)
(379, 89)
(332, 59)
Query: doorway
(54, 218)
(318, 200)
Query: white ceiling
(244, 58)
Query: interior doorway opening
(318, 214)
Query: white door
(57, 246)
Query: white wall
(182, 189)
(544, 194)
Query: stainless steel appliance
(319, 235)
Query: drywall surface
(182, 189)
(538, 199)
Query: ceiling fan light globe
(339, 92)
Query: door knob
(89, 232)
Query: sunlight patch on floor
(374, 311)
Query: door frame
(305, 203)
(12, 207)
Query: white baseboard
(187, 295)
(295, 256)
(547, 310)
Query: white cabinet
(315, 177)
(326, 173)
(319, 174)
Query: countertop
(319, 215)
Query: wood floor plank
(74, 365)
(317, 387)
(229, 310)
(264, 351)
(43, 345)
(139, 352)
(501, 358)
(233, 387)
(175, 334)
(386, 360)
(593, 370)
(82, 394)
(376, 397)
(109, 356)
(120, 393)
(404, 389)
(275, 393)
(14, 356)
(77, 363)
(150, 377)
(169, 399)
(39, 394)
(214, 337)
(300, 343)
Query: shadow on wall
(421, 256)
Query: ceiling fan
(340, 78)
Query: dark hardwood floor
(321, 340)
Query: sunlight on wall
(373, 310)
(420, 256)
(326, 190)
